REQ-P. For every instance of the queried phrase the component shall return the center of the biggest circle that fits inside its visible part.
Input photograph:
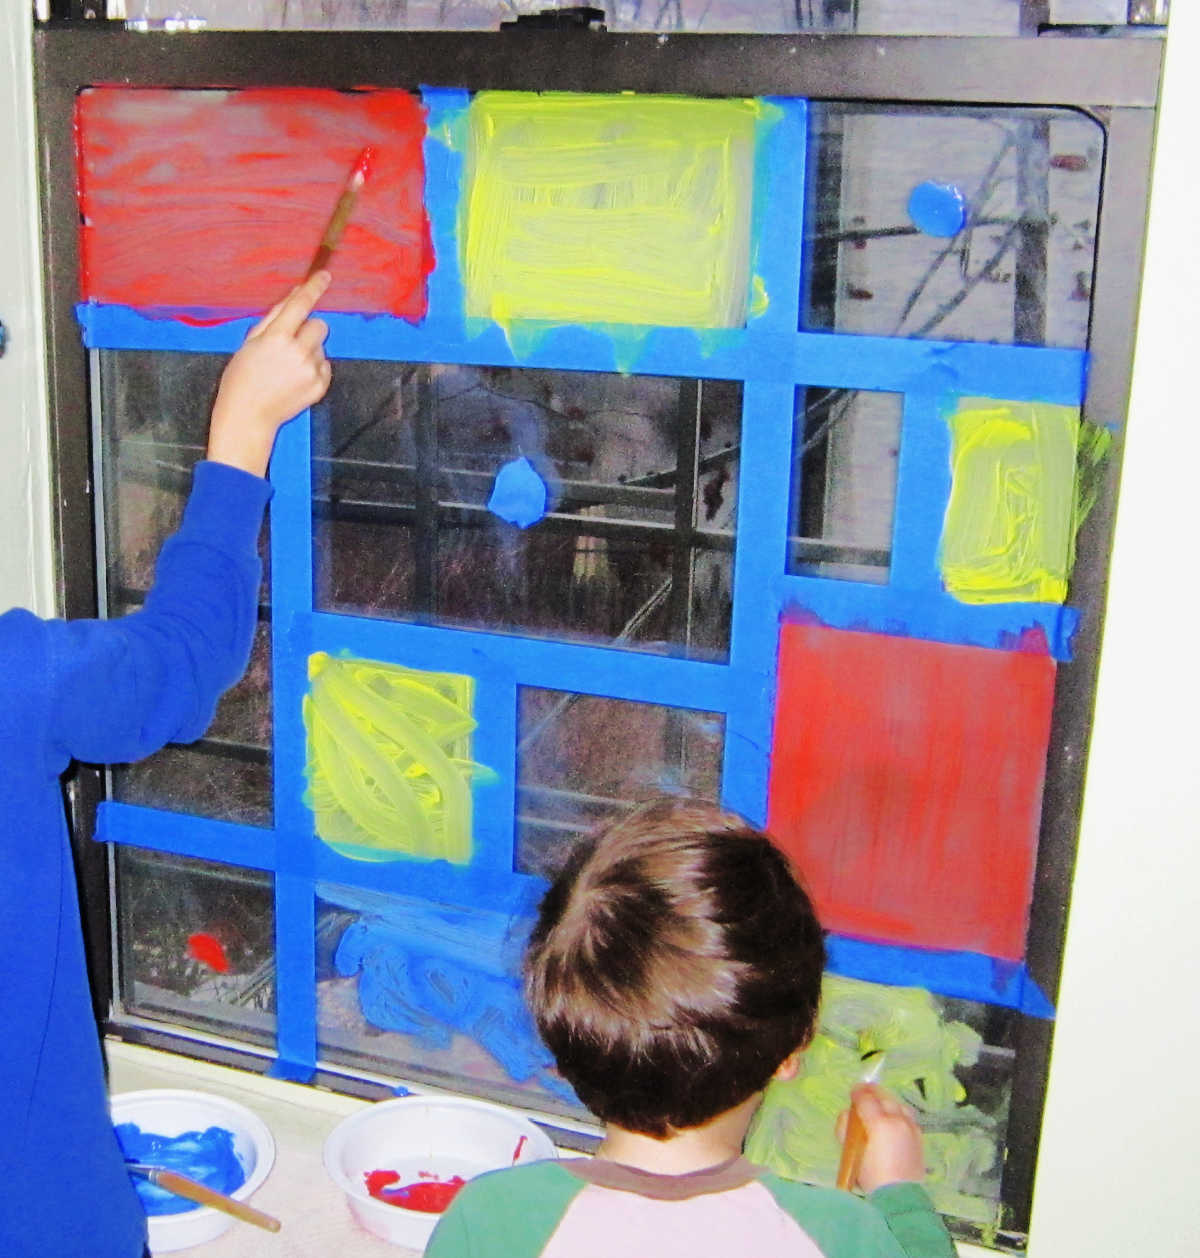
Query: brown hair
(675, 963)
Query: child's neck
(692, 1149)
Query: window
(582, 560)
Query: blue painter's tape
(779, 197)
(922, 491)
(936, 617)
(295, 978)
(291, 618)
(965, 975)
(760, 351)
(592, 670)
(186, 835)
(760, 555)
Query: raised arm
(120, 689)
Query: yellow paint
(793, 1132)
(608, 209)
(389, 759)
(1009, 534)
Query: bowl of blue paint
(206, 1137)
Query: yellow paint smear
(1009, 534)
(608, 209)
(793, 1132)
(389, 759)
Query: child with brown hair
(674, 970)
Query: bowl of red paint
(401, 1162)
(209, 1138)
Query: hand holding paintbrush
(881, 1142)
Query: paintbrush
(182, 1186)
(855, 1143)
(342, 211)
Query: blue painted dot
(518, 494)
(937, 209)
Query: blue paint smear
(518, 494)
(205, 1156)
(432, 971)
(938, 209)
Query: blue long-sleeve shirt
(100, 691)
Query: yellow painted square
(1010, 525)
(608, 209)
(389, 759)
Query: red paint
(362, 167)
(216, 200)
(208, 950)
(520, 1145)
(428, 1194)
(906, 783)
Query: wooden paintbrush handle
(182, 1186)
(853, 1148)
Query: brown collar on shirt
(735, 1173)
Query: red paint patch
(208, 950)
(428, 1194)
(906, 783)
(216, 200)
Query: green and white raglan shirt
(590, 1208)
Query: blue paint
(966, 975)
(207, 1156)
(433, 971)
(518, 494)
(938, 209)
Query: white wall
(26, 571)
(1116, 1175)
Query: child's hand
(894, 1153)
(280, 370)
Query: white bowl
(171, 1112)
(445, 1136)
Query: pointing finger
(298, 304)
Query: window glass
(581, 759)
(956, 224)
(573, 505)
(845, 447)
(156, 408)
(196, 944)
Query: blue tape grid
(772, 358)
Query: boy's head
(675, 964)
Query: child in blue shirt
(107, 691)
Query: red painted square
(906, 783)
(217, 200)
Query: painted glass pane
(950, 1060)
(430, 992)
(214, 198)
